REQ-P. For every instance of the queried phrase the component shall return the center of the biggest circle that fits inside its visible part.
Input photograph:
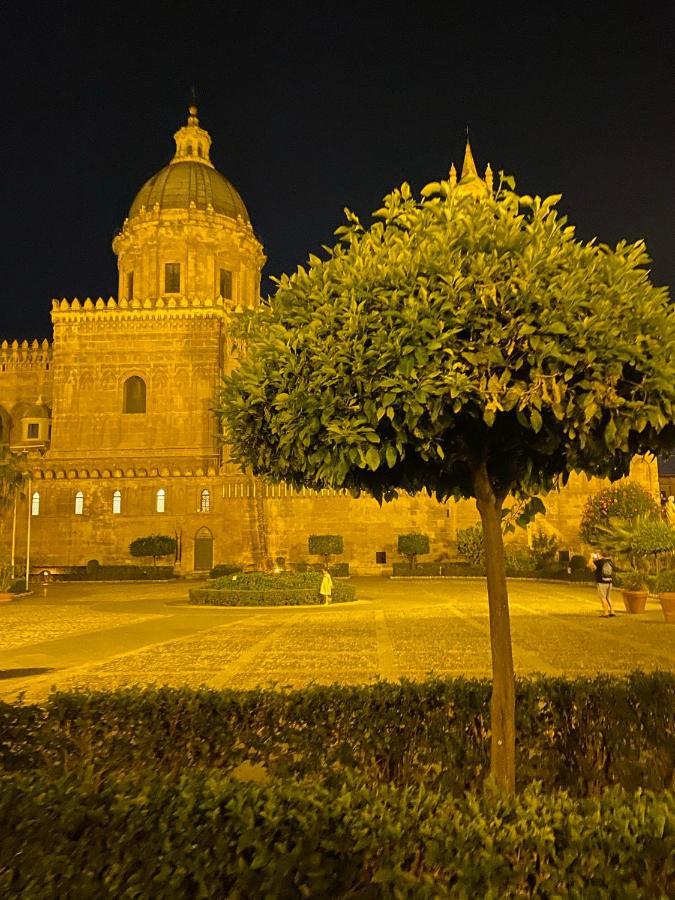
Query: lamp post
(16, 501)
(30, 515)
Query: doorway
(203, 550)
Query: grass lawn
(107, 636)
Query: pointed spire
(469, 166)
(453, 176)
(488, 177)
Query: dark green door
(203, 550)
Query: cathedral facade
(116, 413)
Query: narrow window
(35, 504)
(189, 149)
(79, 503)
(172, 278)
(381, 557)
(205, 502)
(199, 151)
(134, 395)
(130, 285)
(161, 497)
(117, 503)
(226, 284)
(33, 430)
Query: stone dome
(190, 178)
(182, 183)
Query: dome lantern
(192, 142)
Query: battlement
(158, 303)
(25, 354)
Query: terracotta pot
(5, 596)
(668, 606)
(634, 601)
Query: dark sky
(313, 108)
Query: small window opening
(130, 285)
(35, 504)
(226, 284)
(134, 395)
(205, 501)
(161, 497)
(117, 503)
(79, 503)
(381, 557)
(172, 278)
(33, 431)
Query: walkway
(105, 636)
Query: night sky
(313, 108)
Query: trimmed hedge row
(117, 573)
(555, 573)
(269, 597)
(210, 836)
(581, 735)
(261, 589)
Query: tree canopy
(154, 545)
(451, 330)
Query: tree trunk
(503, 703)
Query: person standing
(326, 589)
(604, 569)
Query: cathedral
(116, 413)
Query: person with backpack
(604, 569)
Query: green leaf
(536, 421)
(373, 458)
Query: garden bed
(258, 589)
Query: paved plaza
(111, 635)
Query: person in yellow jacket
(326, 589)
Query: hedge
(554, 573)
(261, 589)
(582, 735)
(117, 573)
(205, 835)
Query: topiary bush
(623, 501)
(578, 563)
(18, 586)
(154, 545)
(325, 545)
(413, 545)
(665, 582)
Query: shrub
(325, 545)
(623, 501)
(581, 735)
(470, 544)
(665, 582)
(223, 569)
(18, 586)
(543, 549)
(578, 563)
(401, 570)
(260, 589)
(517, 561)
(154, 545)
(413, 545)
(633, 581)
(206, 835)
(126, 573)
(93, 567)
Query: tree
(154, 545)
(621, 501)
(412, 546)
(13, 475)
(325, 545)
(467, 345)
(471, 545)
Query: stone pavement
(106, 636)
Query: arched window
(117, 503)
(134, 395)
(35, 504)
(205, 501)
(79, 503)
(161, 497)
(189, 149)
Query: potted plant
(634, 588)
(665, 587)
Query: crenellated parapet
(25, 354)
(154, 306)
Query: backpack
(606, 570)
